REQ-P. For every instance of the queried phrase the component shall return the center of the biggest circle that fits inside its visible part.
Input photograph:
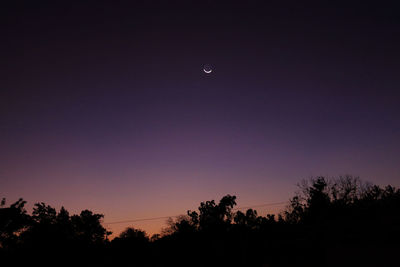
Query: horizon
(156, 224)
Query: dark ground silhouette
(329, 222)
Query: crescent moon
(207, 71)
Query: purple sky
(106, 107)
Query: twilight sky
(104, 104)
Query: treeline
(329, 222)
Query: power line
(166, 217)
(144, 219)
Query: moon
(207, 68)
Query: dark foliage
(329, 222)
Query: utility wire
(144, 219)
(166, 217)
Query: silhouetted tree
(182, 225)
(88, 228)
(212, 216)
(13, 220)
(131, 246)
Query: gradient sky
(104, 105)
